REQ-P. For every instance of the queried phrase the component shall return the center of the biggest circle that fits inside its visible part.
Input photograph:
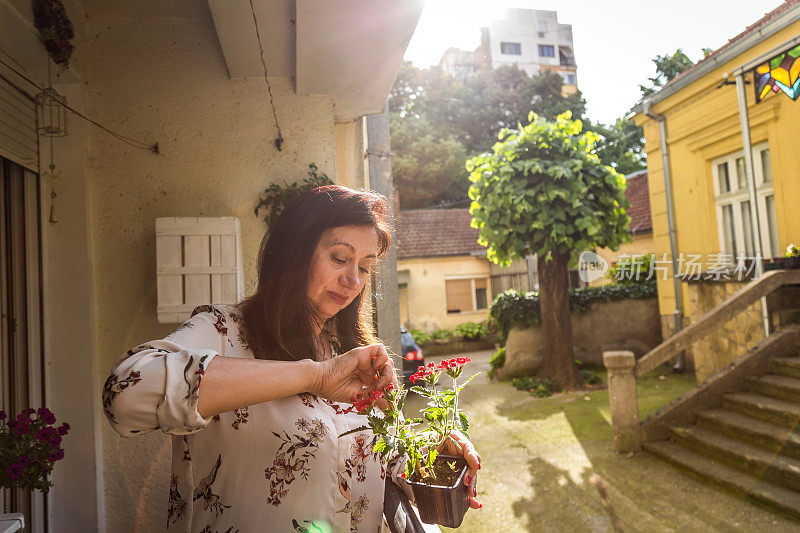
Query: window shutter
(459, 295)
(199, 261)
(18, 139)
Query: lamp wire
(279, 138)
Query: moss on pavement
(538, 454)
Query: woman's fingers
(459, 444)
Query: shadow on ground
(538, 455)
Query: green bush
(470, 331)
(443, 335)
(514, 308)
(420, 336)
(498, 360)
(539, 387)
(634, 269)
(591, 377)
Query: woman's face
(342, 262)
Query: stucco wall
(703, 124)
(164, 79)
(424, 302)
(630, 324)
(639, 245)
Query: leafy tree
(667, 67)
(621, 145)
(465, 116)
(426, 162)
(542, 191)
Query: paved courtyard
(538, 455)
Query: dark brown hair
(277, 321)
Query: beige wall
(640, 245)
(156, 75)
(423, 304)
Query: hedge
(514, 308)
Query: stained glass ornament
(781, 73)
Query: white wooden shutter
(18, 139)
(199, 261)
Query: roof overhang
(350, 50)
(774, 26)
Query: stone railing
(624, 369)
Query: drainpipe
(747, 146)
(680, 362)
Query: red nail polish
(469, 480)
(480, 506)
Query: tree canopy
(541, 190)
(430, 106)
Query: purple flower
(24, 418)
(23, 460)
(46, 415)
(45, 434)
(2, 415)
(13, 471)
(28, 412)
(55, 441)
(55, 455)
(63, 429)
(20, 428)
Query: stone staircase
(749, 442)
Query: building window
(734, 216)
(511, 48)
(467, 295)
(547, 50)
(572, 79)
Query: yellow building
(443, 274)
(697, 125)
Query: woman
(255, 395)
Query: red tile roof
(772, 15)
(638, 195)
(435, 233)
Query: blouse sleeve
(155, 385)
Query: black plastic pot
(441, 505)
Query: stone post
(623, 400)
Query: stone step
(772, 437)
(783, 387)
(735, 453)
(785, 366)
(755, 489)
(766, 408)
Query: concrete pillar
(387, 298)
(623, 400)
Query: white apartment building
(532, 39)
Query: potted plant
(436, 479)
(30, 445)
(790, 261)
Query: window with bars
(734, 214)
(467, 295)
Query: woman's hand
(458, 444)
(344, 376)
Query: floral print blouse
(274, 466)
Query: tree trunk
(558, 363)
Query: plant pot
(782, 263)
(443, 505)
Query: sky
(615, 40)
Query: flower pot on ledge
(443, 505)
(782, 263)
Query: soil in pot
(443, 500)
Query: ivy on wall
(515, 308)
(276, 196)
